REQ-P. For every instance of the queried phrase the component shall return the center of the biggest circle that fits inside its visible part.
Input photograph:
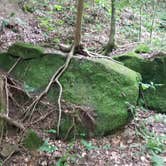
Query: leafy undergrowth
(142, 143)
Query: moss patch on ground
(142, 48)
(32, 141)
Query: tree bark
(111, 43)
(3, 101)
(153, 19)
(140, 22)
(77, 38)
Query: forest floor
(140, 143)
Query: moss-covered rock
(25, 50)
(102, 85)
(152, 70)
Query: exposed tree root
(42, 118)
(54, 79)
(15, 64)
(12, 122)
(96, 55)
(70, 128)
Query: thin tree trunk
(153, 19)
(77, 39)
(140, 22)
(2, 101)
(111, 43)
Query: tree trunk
(111, 43)
(140, 24)
(77, 39)
(2, 101)
(153, 20)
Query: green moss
(6, 61)
(102, 85)
(127, 55)
(105, 86)
(25, 50)
(152, 70)
(32, 141)
(142, 48)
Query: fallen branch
(12, 122)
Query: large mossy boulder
(102, 85)
(153, 70)
(25, 50)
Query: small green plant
(32, 141)
(68, 155)
(56, 40)
(88, 145)
(46, 147)
(28, 8)
(58, 7)
(131, 108)
(155, 145)
(47, 23)
(160, 118)
(51, 131)
(158, 44)
(82, 135)
(151, 85)
(157, 160)
(142, 48)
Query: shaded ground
(141, 143)
(15, 25)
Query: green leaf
(61, 161)
(58, 7)
(88, 145)
(46, 147)
(145, 86)
(52, 131)
(157, 160)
